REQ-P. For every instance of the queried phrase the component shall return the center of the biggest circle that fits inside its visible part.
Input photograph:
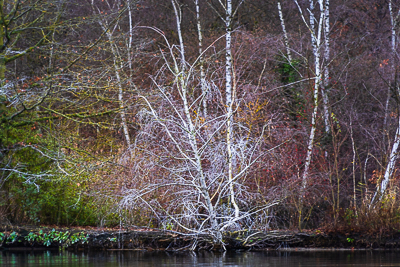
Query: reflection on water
(147, 259)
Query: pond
(233, 258)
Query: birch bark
(316, 39)
(391, 163)
(230, 94)
(204, 87)
(326, 83)
(394, 151)
(285, 35)
(316, 43)
(190, 127)
(130, 52)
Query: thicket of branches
(200, 116)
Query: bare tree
(319, 33)
(195, 168)
(111, 27)
(230, 91)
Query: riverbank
(87, 238)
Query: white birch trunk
(325, 100)
(120, 93)
(354, 165)
(316, 42)
(229, 103)
(310, 145)
(391, 163)
(393, 48)
(129, 52)
(204, 87)
(179, 72)
(393, 153)
(178, 16)
(285, 35)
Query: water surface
(159, 259)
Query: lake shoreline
(90, 238)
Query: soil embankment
(29, 237)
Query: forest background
(200, 116)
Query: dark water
(158, 259)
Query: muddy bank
(31, 237)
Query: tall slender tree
(390, 166)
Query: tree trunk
(316, 36)
(204, 87)
(393, 154)
(230, 95)
(117, 69)
(190, 130)
(326, 83)
(285, 35)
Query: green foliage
(60, 237)
(53, 237)
(31, 237)
(336, 122)
(288, 71)
(61, 202)
(12, 237)
(20, 136)
(79, 237)
(33, 160)
(293, 94)
(169, 226)
(53, 198)
(48, 238)
(349, 216)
